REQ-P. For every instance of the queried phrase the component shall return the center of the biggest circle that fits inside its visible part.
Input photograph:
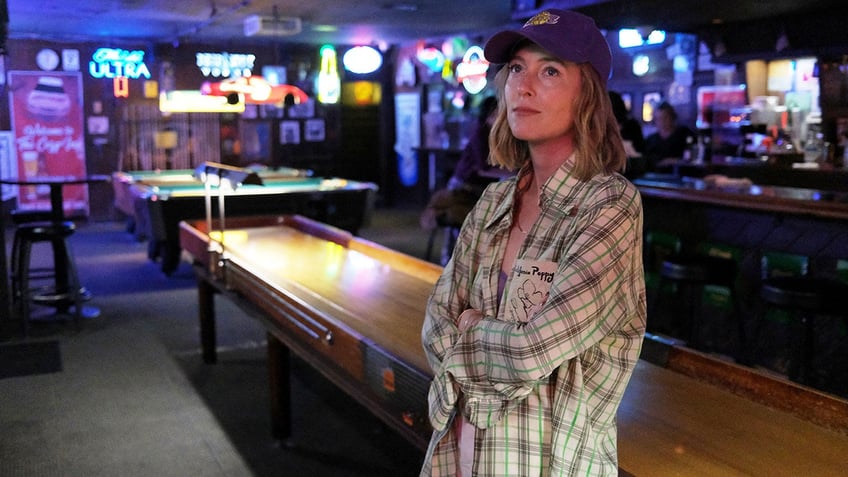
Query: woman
(535, 326)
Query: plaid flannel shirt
(543, 394)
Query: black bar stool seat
(699, 268)
(692, 272)
(806, 298)
(813, 294)
(25, 216)
(66, 290)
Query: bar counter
(756, 220)
(771, 170)
(743, 194)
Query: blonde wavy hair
(597, 138)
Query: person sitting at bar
(450, 206)
(670, 139)
(475, 155)
(631, 135)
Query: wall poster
(289, 132)
(313, 130)
(408, 133)
(47, 126)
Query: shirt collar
(559, 187)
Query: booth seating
(706, 274)
(28, 280)
(804, 298)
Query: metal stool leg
(22, 279)
(74, 286)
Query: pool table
(157, 201)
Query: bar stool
(66, 291)
(805, 298)
(657, 246)
(450, 231)
(20, 217)
(692, 273)
(445, 213)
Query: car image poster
(47, 125)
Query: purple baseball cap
(571, 36)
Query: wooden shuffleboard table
(349, 307)
(354, 310)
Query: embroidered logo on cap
(543, 18)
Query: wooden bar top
(360, 286)
(670, 424)
(736, 193)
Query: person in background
(466, 184)
(670, 140)
(631, 134)
(629, 127)
(448, 207)
(475, 154)
(536, 323)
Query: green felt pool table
(156, 202)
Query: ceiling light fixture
(402, 7)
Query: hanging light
(473, 70)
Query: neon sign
(362, 60)
(432, 58)
(472, 71)
(121, 87)
(328, 82)
(225, 65)
(256, 90)
(195, 102)
(115, 63)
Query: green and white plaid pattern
(543, 395)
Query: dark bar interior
(143, 334)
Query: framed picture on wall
(313, 130)
(302, 110)
(289, 132)
(255, 140)
(8, 163)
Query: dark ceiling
(323, 21)
(698, 15)
(388, 21)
